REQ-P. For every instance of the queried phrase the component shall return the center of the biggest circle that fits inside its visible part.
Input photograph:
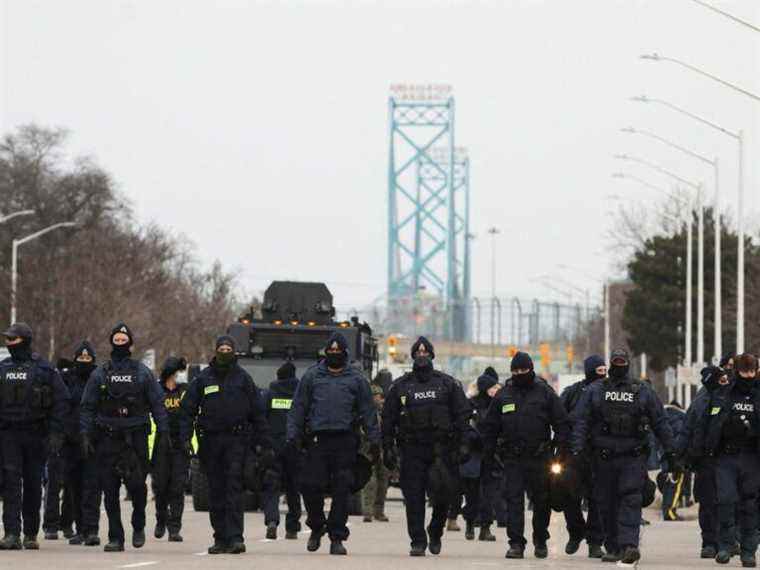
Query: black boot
(486, 535)
(138, 538)
(51, 535)
(291, 535)
(68, 532)
(337, 548)
(160, 530)
(91, 540)
(611, 556)
(10, 542)
(217, 548)
(631, 555)
(315, 541)
(708, 552)
(114, 546)
(175, 536)
(417, 550)
(272, 531)
(30, 542)
(540, 550)
(594, 551)
(469, 531)
(515, 551)
(434, 543)
(572, 546)
(236, 548)
(76, 539)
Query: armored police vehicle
(295, 321)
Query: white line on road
(140, 564)
(200, 553)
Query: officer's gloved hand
(55, 443)
(188, 447)
(88, 449)
(390, 459)
(374, 453)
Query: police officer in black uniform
(84, 499)
(278, 400)
(590, 529)
(224, 405)
(731, 429)
(332, 400)
(518, 427)
(169, 485)
(616, 416)
(32, 406)
(426, 416)
(115, 414)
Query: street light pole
(9, 217)
(493, 232)
(14, 259)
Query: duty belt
(237, 429)
(606, 453)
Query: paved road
(375, 546)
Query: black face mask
(745, 385)
(336, 360)
(84, 369)
(618, 372)
(224, 359)
(423, 364)
(21, 351)
(524, 380)
(120, 352)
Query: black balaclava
(84, 369)
(286, 371)
(745, 363)
(120, 352)
(620, 363)
(336, 360)
(522, 360)
(485, 383)
(21, 351)
(423, 365)
(711, 376)
(589, 368)
(225, 360)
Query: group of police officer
(90, 427)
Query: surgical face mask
(336, 360)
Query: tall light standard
(736, 19)
(740, 202)
(9, 217)
(493, 232)
(700, 254)
(14, 259)
(717, 329)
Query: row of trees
(76, 283)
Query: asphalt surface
(372, 546)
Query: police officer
(616, 416)
(691, 445)
(374, 492)
(84, 499)
(425, 416)
(732, 430)
(673, 483)
(117, 403)
(225, 406)
(32, 407)
(491, 475)
(169, 484)
(278, 400)
(332, 399)
(595, 369)
(518, 426)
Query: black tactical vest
(740, 426)
(172, 401)
(280, 402)
(621, 410)
(525, 418)
(225, 403)
(123, 394)
(425, 410)
(26, 392)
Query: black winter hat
(591, 364)
(428, 346)
(84, 347)
(337, 340)
(489, 371)
(619, 354)
(225, 340)
(172, 365)
(121, 327)
(286, 371)
(521, 360)
(486, 382)
(22, 330)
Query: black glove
(266, 458)
(88, 449)
(55, 443)
(374, 453)
(188, 447)
(390, 459)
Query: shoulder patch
(715, 410)
(507, 408)
(213, 389)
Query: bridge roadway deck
(372, 546)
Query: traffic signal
(392, 348)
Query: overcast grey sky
(260, 129)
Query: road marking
(139, 564)
(484, 564)
(266, 540)
(201, 553)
